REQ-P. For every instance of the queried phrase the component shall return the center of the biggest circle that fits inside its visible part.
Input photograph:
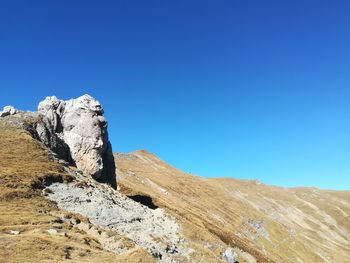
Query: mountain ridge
(145, 174)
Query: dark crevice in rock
(108, 172)
(144, 200)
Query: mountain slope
(32, 228)
(51, 212)
(263, 223)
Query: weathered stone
(77, 131)
(8, 110)
(230, 255)
(148, 228)
(14, 232)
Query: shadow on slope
(144, 200)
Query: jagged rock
(8, 110)
(230, 255)
(77, 131)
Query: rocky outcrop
(8, 110)
(79, 125)
(76, 131)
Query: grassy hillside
(272, 224)
(262, 223)
(24, 166)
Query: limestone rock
(8, 110)
(230, 255)
(77, 131)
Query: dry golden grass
(24, 166)
(302, 224)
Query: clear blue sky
(248, 89)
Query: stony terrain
(147, 228)
(54, 207)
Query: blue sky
(248, 89)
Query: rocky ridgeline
(75, 130)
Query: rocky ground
(148, 228)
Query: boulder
(76, 131)
(14, 232)
(8, 110)
(230, 255)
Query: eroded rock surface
(75, 130)
(80, 124)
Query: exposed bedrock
(79, 125)
(76, 131)
(8, 110)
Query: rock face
(77, 131)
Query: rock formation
(8, 110)
(76, 131)
(92, 222)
